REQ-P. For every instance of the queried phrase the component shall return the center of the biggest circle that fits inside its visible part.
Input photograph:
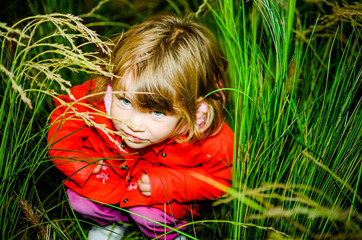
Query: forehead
(122, 83)
(146, 93)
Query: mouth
(132, 138)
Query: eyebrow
(132, 97)
(124, 95)
(125, 91)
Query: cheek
(118, 116)
(164, 130)
(115, 111)
(160, 135)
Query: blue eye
(158, 114)
(125, 102)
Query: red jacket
(79, 136)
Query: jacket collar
(157, 148)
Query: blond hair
(180, 62)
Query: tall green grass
(33, 63)
(297, 118)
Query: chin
(136, 145)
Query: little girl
(142, 139)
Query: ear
(201, 112)
(108, 99)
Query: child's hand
(144, 185)
(97, 169)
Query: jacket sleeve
(66, 137)
(191, 183)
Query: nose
(137, 122)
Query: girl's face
(140, 128)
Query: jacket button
(125, 167)
(125, 200)
(163, 154)
(129, 178)
(123, 145)
(158, 164)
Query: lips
(133, 138)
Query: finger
(144, 187)
(145, 178)
(147, 194)
(97, 169)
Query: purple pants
(105, 215)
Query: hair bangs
(149, 87)
(153, 80)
